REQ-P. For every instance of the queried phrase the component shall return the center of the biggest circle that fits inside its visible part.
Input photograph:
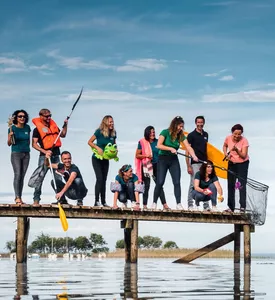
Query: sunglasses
(47, 116)
(126, 168)
(21, 117)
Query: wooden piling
(134, 242)
(22, 233)
(209, 248)
(237, 244)
(247, 244)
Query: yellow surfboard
(216, 156)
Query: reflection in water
(245, 293)
(150, 279)
(130, 282)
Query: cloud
(226, 78)
(132, 65)
(145, 87)
(215, 74)
(15, 65)
(257, 96)
(221, 3)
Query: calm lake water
(150, 279)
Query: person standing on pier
(168, 145)
(104, 135)
(235, 149)
(198, 140)
(146, 162)
(74, 187)
(19, 140)
(44, 140)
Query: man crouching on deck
(74, 188)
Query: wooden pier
(129, 222)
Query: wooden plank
(209, 248)
(49, 211)
(247, 244)
(237, 244)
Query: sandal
(18, 201)
(228, 210)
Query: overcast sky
(144, 63)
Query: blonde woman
(168, 145)
(104, 135)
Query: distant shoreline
(163, 253)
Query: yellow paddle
(62, 215)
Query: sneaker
(242, 210)
(154, 206)
(79, 202)
(214, 209)
(179, 206)
(124, 205)
(166, 207)
(191, 207)
(98, 204)
(105, 205)
(207, 209)
(145, 207)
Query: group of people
(154, 157)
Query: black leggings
(101, 168)
(240, 171)
(147, 180)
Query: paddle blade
(63, 218)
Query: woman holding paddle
(104, 135)
(168, 145)
(235, 149)
(19, 140)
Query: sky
(144, 63)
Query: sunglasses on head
(126, 168)
(209, 166)
(21, 116)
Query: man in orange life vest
(43, 138)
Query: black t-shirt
(205, 184)
(67, 173)
(198, 142)
(35, 134)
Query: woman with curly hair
(206, 185)
(104, 135)
(19, 140)
(168, 145)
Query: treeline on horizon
(95, 243)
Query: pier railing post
(247, 244)
(22, 234)
(237, 244)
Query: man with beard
(43, 139)
(198, 140)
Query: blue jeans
(202, 197)
(41, 161)
(128, 192)
(168, 163)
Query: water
(150, 279)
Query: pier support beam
(237, 244)
(22, 234)
(209, 248)
(247, 244)
(130, 240)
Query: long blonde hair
(104, 127)
(173, 129)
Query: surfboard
(216, 156)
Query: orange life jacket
(48, 134)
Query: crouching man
(71, 185)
